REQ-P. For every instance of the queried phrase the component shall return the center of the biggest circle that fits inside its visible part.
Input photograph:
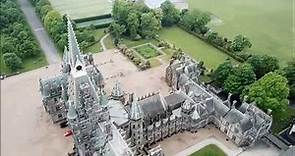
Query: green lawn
(193, 46)
(268, 23)
(95, 48)
(147, 51)
(209, 150)
(82, 8)
(28, 64)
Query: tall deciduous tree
(12, 61)
(269, 92)
(171, 15)
(133, 24)
(242, 76)
(150, 25)
(240, 42)
(263, 64)
(222, 72)
(290, 75)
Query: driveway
(44, 40)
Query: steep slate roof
(174, 100)
(153, 105)
(246, 123)
(234, 116)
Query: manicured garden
(209, 150)
(267, 23)
(147, 51)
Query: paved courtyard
(27, 130)
(187, 143)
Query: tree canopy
(241, 76)
(17, 41)
(150, 25)
(269, 92)
(171, 15)
(290, 75)
(12, 61)
(240, 42)
(263, 64)
(195, 21)
(222, 72)
(137, 19)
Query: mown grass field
(82, 8)
(209, 150)
(268, 23)
(194, 47)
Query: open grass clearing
(82, 8)
(268, 23)
(95, 48)
(194, 47)
(209, 150)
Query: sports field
(268, 23)
(194, 46)
(82, 8)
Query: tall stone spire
(74, 51)
(136, 112)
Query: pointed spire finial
(136, 112)
(74, 51)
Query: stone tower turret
(136, 123)
(117, 92)
(186, 110)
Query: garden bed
(147, 51)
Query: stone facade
(103, 125)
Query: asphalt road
(39, 31)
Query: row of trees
(196, 21)
(17, 41)
(56, 25)
(134, 20)
(273, 85)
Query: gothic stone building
(117, 126)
